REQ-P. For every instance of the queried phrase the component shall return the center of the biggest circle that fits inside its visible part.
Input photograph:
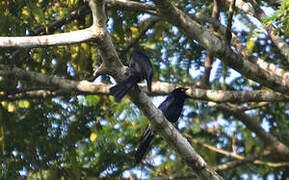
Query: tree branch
(81, 86)
(258, 13)
(219, 48)
(135, 40)
(34, 94)
(133, 6)
(158, 88)
(49, 40)
(236, 156)
(205, 80)
(171, 70)
(230, 20)
(234, 96)
(271, 68)
(142, 101)
(236, 163)
(176, 176)
(68, 37)
(254, 126)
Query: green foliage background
(89, 136)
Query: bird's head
(181, 92)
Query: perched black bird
(140, 68)
(172, 108)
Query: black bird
(140, 68)
(172, 108)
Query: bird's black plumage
(172, 108)
(140, 68)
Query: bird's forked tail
(120, 90)
(144, 144)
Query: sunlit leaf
(23, 104)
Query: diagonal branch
(135, 40)
(220, 48)
(271, 68)
(142, 101)
(254, 10)
(68, 38)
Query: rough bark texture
(66, 87)
(218, 46)
(143, 102)
(256, 69)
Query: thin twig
(230, 19)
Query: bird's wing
(164, 106)
(149, 78)
(149, 67)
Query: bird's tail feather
(120, 90)
(149, 82)
(144, 144)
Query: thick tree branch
(119, 72)
(158, 88)
(53, 26)
(234, 96)
(49, 40)
(272, 68)
(219, 48)
(257, 12)
(175, 139)
(142, 101)
(68, 38)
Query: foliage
(90, 136)
(280, 18)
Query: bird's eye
(182, 90)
